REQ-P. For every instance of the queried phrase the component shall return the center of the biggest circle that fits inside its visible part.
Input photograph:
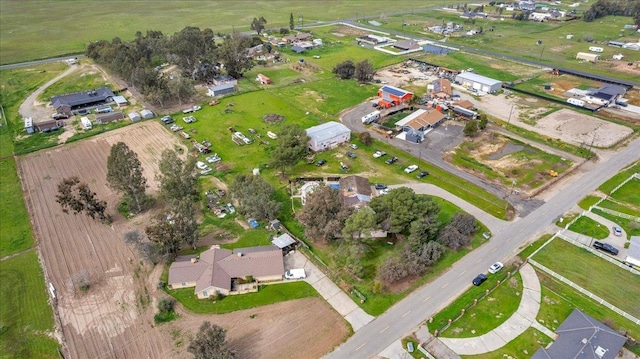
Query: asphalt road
(40, 62)
(412, 311)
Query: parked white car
(410, 169)
(495, 267)
(379, 154)
(213, 158)
(189, 119)
(295, 274)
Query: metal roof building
(479, 82)
(327, 136)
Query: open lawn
(88, 78)
(621, 207)
(25, 316)
(589, 227)
(267, 294)
(33, 29)
(629, 193)
(592, 273)
(492, 311)
(620, 177)
(16, 234)
(521, 347)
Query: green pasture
(16, 234)
(267, 294)
(522, 346)
(503, 70)
(590, 228)
(26, 318)
(620, 177)
(34, 29)
(621, 207)
(589, 201)
(490, 312)
(592, 273)
(629, 194)
(531, 172)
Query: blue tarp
(253, 223)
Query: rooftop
(478, 78)
(326, 131)
(394, 90)
(82, 98)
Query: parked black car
(351, 154)
(479, 279)
(167, 120)
(605, 247)
(423, 174)
(391, 160)
(321, 162)
(380, 186)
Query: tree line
(602, 8)
(402, 213)
(196, 53)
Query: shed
(633, 252)
(327, 135)
(406, 45)
(48, 125)
(297, 49)
(479, 82)
(120, 101)
(134, 116)
(464, 113)
(147, 113)
(421, 120)
(393, 96)
(263, 79)
(221, 89)
(586, 56)
(284, 241)
(109, 117)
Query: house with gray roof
(355, 191)
(327, 136)
(633, 252)
(581, 336)
(223, 271)
(69, 102)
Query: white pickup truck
(295, 274)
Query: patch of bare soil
(350, 31)
(303, 328)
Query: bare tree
(76, 196)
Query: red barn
(392, 96)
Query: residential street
(506, 241)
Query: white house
(328, 135)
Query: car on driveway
(605, 247)
(422, 174)
(495, 267)
(617, 231)
(321, 162)
(410, 169)
(380, 186)
(379, 154)
(353, 146)
(351, 155)
(479, 279)
(391, 160)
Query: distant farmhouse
(222, 271)
(327, 136)
(67, 103)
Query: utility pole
(509, 120)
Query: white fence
(597, 253)
(615, 213)
(586, 292)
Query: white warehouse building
(327, 136)
(478, 82)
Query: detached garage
(327, 136)
(478, 82)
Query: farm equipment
(214, 102)
(553, 173)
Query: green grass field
(268, 294)
(589, 227)
(35, 29)
(26, 318)
(629, 193)
(620, 177)
(592, 273)
(16, 232)
(78, 81)
(492, 311)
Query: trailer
(86, 123)
(371, 117)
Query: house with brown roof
(301, 36)
(355, 191)
(418, 123)
(441, 89)
(222, 271)
(466, 104)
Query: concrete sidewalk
(523, 318)
(338, 299)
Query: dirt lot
(567, 125)
(114, 317)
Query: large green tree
(292, 24)
(76, 196)
(255, 197)
(210, 343)
(233, 53)
(292, 146)
(344, 70)
(361, 222)
(124, 174)
(258, 24)
(178, 179)
(401, 206)
(364, 71)
(323, 214)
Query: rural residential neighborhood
(327, 179)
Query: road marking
(479, 260)
(358, 348)
(508, 239)
(444, 286)
(426, 299)
(521, 229)
(495, 249)
(387, 327)
(463, 272)
(405, 314)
